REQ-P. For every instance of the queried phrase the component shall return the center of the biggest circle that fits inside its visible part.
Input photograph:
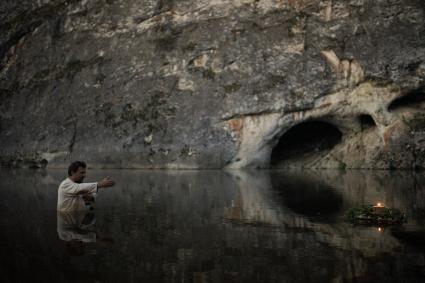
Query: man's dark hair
(74, 167)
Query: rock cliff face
(213, 84)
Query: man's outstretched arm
(87, 188)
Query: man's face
(79, 176)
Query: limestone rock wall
(210, 84)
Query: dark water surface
(212, 226)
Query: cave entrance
(412, 99)
(366, 122)
(304, 142)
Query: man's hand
(106, 182)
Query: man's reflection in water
(77, 228)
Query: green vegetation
(277, 80)
(418, 121)
(166, 36)
(189, 47)
(365, 215)
(69, 70)
(232, 88)
(208, 74)
(342, 165)
(152, 115)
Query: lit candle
(379, 208)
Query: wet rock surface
(210, 84)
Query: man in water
(73, 193)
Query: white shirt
(70, 197)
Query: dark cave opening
(411, 99)
(366, 121)
(306, 138)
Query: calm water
(211, 226)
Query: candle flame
(379, 229)
(379, 204)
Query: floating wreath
(369, 214)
